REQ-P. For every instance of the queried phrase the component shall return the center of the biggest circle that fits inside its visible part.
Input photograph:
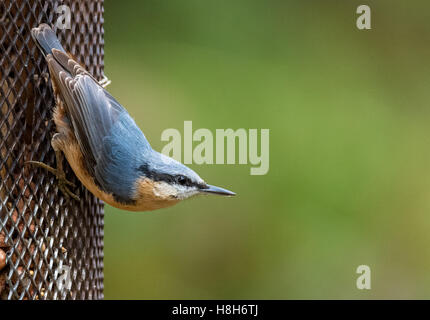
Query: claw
(67, 193)
(62, 181)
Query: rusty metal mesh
(50, 248)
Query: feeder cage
(50, 247)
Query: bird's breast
(146, 197)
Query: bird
(106, 150)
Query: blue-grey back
(122, 152)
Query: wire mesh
(50, 248)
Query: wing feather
(106, 143)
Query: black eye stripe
(154, 175)
(183, 181)
(157, 176)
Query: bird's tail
(46, 39)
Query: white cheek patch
(164, 190)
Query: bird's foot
(61, 177)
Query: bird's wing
(101, 125)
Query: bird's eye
(181, 180)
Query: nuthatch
(103, 145)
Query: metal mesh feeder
(50, 248)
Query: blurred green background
(349, 179)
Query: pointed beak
(217, 190)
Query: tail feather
(46, 39)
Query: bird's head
(164, 181)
